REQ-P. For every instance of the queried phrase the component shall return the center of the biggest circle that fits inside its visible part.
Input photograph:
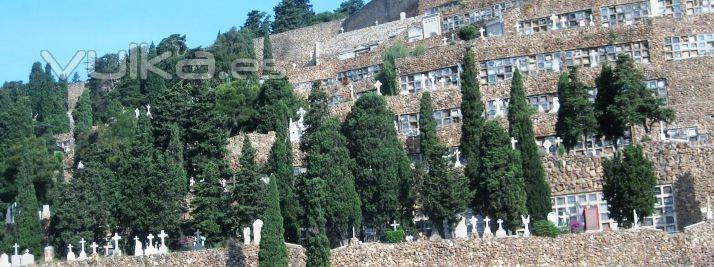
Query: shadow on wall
(236, 257)
(687, 205)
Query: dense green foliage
(545, 228)
(629, 182)
(27, 229)
(48, 100)
(248, 194)
(576, 116)
(468, 32)
(273, 251)
(395, 236)
(82, 115)
(521, 128)
(472, 109)
(501, 184)
(237, 101)
(383, 178)
(318, 246)
(292, 14)
(444, 192)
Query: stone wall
(381, 11)
(622, 248)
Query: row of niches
(683, 47)
(408, 124)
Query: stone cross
(223, 181)
(513, 144)
(526, 221)
(150, 237)
(500, 233)
(163, 248)
(481, 30)
(342, 30)
(70, 254)
(136, 112)
(107, 247)
(82, 253)
(378, 85)
(487, 230)
(558, 141)
(191, 182)
(474, 224)
(395, 225)
(148, 110)
(635, 225)
(554, 19)
(433, 83)
(16, 246)
(376, 22)
(547, 145)
(94, 247)
(563, 22)
(257, 228)
(556, 105)
(138, 250)
(116, 238)
(457, 155)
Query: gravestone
(246, 235)
(138, 248)
(526, 221)
(150, 249)
(70, 253)
(107, 247)
(257, 227)
(49, 254)
(457, 156)
(556, 105)
(513, 144)
(563, 22)
(28, 259)
(82, 253)
(474, 225)
(378, 85)
(481, 30)
(547, 145)
(16, 259)
(197, 240)
(635, 225)
(461, 230)
(163, 249)
(94, 247)
(554, 20)
(487, 230)
(117, 250)
(500, 233)
(5, 260)
(394, 225)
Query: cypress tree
(382, 172)
(27, 232)
(280, 165)
(576, 116)
(292, 14)
(273, 251)
(317, 113)
(82, 116)
(629, 182)
(273, 93)
(445, 192)
(472, 110)
(521, 128)
(501, 177)
(611, 125)
(268, 61)
(318, 247)
(247, 203)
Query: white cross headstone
(636, 224)
(487, 230)
(107, 247)
(474, 225)
(513, 144)
(70, 254)
(457, 156)
(257, 227)
(246, 235)
(433, 83)
(116, 238)
(553, 218)
(547, 145)
(500, 233)
(461, 231)
(554, 20)
(80, 165)
(556, 105)
(223, 181)
(94, 247)
(5, 260)
(394, 225)
(558, 141)
(163, 249)
(526, 221)
(28, 259)
(150, 237)
(378, 85)
(138, 247)
(16, 259)
(148, 110)
(563, 22)
(481, 30)
(136, 112)
(16, 246)
(82, 253)
(191, 182)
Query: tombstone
(394, 225)
(107, 247)
(563, 22)
(82, 253)
(191, 182)
(526, 221)
(16, 259)
(433, 83)
(487, 230)
(513, 144)
(582, 23)
(592, 21)
(636, 224)
(594, 58)
(554, 20)
(257, 227)
(342, 30)
(136, 113)
(556, 105)
(553, 218)
(28, 259)
(117, 250)
(474, 225)
(94, 247)
(500, 233)
(445, 40)
(163, 249)
(518, 27)
(481, 30)
(547, 145)
(457, 156)
(49, 254)
(148, 110)
(138, 248)
(5, 260)
(224, 181)
(70, 253)
(461, 230)
(499, 108)
(46, 214)
(402, 16)
(378, 85)
(246, 235)
(409, 238)
(376, 22)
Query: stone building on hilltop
(672, 43)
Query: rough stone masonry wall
(622, 248)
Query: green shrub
(545, 228)
(468, 32)
(395, 236)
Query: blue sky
(63, 26)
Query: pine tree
(521, 128)
(27, 232)
(82, 116)
(350, 7)
(501, 183)
(231, 46)
(576, 116)
(237, 101)
(318, 246)
(472, 110)
(629, 182)
(382, 172)
(273, 251)
(292, 14)
(329, 160)
(280, 165)
(445, 192)
(255, 21)
(247, 203)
